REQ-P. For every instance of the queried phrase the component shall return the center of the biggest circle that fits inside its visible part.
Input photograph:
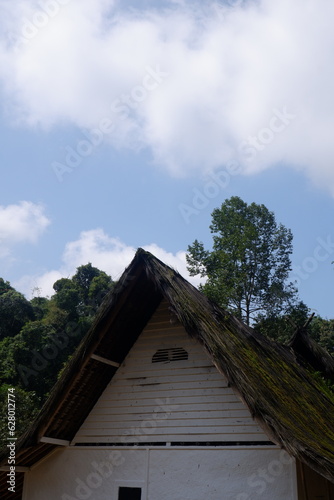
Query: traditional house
(169, 397)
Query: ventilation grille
(168, 355)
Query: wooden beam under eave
(57, 442)
(105, 360)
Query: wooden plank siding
(176, 401)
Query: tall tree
(15, 311)
(83, 293)
(248, 268)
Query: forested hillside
(38, 336)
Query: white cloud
(21, 223)
(229, 67)
(104, 252)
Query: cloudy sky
(124, 123)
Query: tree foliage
(15, 311)
(248, 267)
(5, 286)
(26, 407)
(39, 336)
(281, 327)
(322, 330)
(83, 294)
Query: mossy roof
(295, 409)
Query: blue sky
(124, 124)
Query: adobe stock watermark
(48, 9)
(216, 183)
(41, 359)
(121, 107)
(321, 253)
(58, 341)
(279, 121)
(139, 434)
(94, 480)
(248, 150)
(258, 483)
(100, 471)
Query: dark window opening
(168, 355)
(125, 493)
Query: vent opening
(169, 355)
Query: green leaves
(26, 404)
(248, 268)
(4, 286)
(37, 337)
(83, 294)
(198, 259)
(15, 311)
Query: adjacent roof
(295, 409)
(307, 350)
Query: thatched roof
(294, 408)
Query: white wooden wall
(178, 401)
(164, 474)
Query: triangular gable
(168, 390)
